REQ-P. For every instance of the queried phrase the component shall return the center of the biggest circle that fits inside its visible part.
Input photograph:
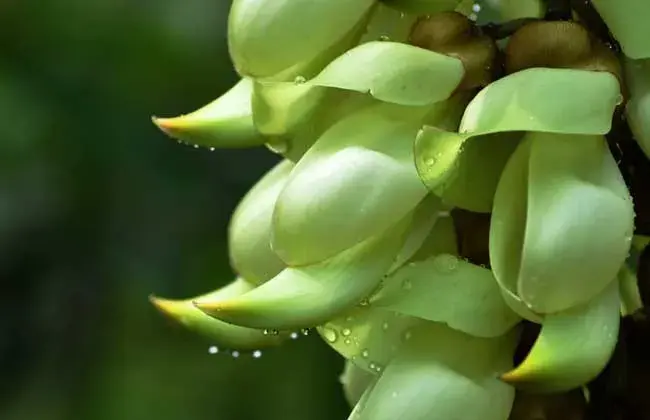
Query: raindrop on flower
(257, 354)
(346, 332)
(407, 335)
(364, 302)
(384, 38)
(476, 7)
(305, 331)
(212, 149)
(278, 145)
(347, 341)
(330, 335)
(294, 335)
(429, 161)
(446, 263)
(299, 80)
(213, 349)
(384, 326)
(365, 353)
(235, 354)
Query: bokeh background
(98, 209)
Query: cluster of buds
(440, 186)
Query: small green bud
(221, 333)
(282, 39)
(249, 232)
(573, 347)
(227, 122)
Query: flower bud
(249, 231)
(283, 39)
(227, 122)
(221, 333)
(544, 227)
(308, 296)
(573, 347)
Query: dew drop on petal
(365, 353)
(346, 332)
(299, 80)
(384, 326)
(257, 354)
(213, 349)
(305, 331)
(235, 354)
(330, 335)
(294, 335)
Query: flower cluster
(442, 183)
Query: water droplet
(378, 367)
(407, 335)
(305, 331)
(384, 326)
(443, 213)
(330, 335)
(365, 353)
(476, 7)
(407, 285)
(271, 332)
(394, 394)
(372, 366)
(349, 319)
(384, 38)
(213, 349)
(402, 15)
(235, 354)
(299, 80)
(212, 149)
(294, 335)
(278, 146)
(346, 332)
(473, 17)
(446, 263)
(429, 161)
(364, 302)
(257, 354)
(347, 341)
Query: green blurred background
(98, 209)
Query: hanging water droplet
(305, 331)
(213, 349)
(346, 332)
(378, 367)
(278, 145)
(294, 335)
(212, 149)
(372, 366)
(234, 354)
(330, 335)
(365, 353)
(196, 146)
(407, 335)
(476, 7)
(257, 354)
(384, 326)
(384, 38)
(364, 302)
(299, 80)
